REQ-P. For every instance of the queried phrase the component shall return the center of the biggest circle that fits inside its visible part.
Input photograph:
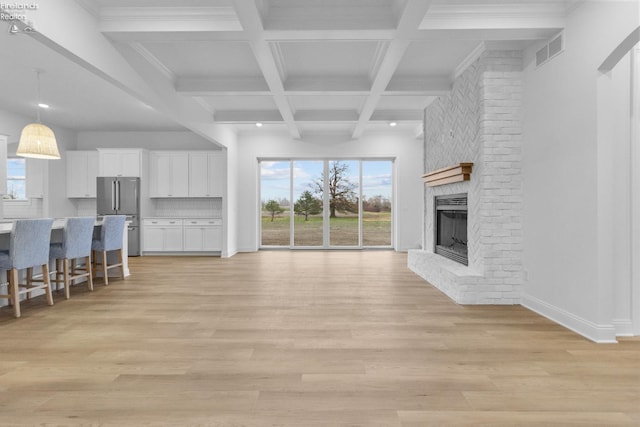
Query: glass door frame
(326, 203)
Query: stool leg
(47, 281)
(65, 268)
(94, 262)
(121, 264)
(57, 274)
(9, 291)
(29, 282)
(87, 261)
(15, 297)
(104, 267)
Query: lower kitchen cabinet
(172, 235)
(162, 235)
(202, 235)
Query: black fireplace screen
(451, 227)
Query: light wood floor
(300, 339)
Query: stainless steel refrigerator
(120, 195)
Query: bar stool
(77, 237)
(111, 238)
(28, 248)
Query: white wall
(405, 148)
(563, 162)
(56, 203)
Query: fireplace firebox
(451, 227)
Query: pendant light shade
(38, 141)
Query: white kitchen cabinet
(206, 174)
(169, 174)
(202, 235)
(162, 235)
(36, 170)
(120, 162)
(82, 170)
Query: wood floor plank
(309, 338)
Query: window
(16, 179)
(332, 203)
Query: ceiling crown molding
(470, 59)
(155, 62)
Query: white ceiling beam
(412, 15)
(436, 85)
(494, 16)
(207, 86)
(249, 16)
(247, 116)
(84, 45)
(327, 84)
(397, 115)
(326, 116)
(168, 19)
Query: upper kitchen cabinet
(82, 170)
(169, 174)
(120, 162)
(206, 174)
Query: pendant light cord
(38, 95)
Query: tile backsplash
(169, 208)
(187, 208)
(31, 208)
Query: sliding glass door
(343, 180)
(326, 204)
(377, 190)
(308, 229)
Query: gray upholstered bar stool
(77, 237)
(110, 239)
(28, 248)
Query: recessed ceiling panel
(206, 58)
(240, 102)
(434, 58)
(328, 14)
(328, 58)
(409, 102)
(326, 102)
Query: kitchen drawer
(162, 222)
(202, 222)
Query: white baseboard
(624, 327)
(586, 328)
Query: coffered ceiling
(304, 66)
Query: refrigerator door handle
(113, 195)
(118, 195)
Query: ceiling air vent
(550, 50)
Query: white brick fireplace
(478, 122)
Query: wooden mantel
(455, 173)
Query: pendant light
(38, 140)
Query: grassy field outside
(376, 230)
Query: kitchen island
(56, 236)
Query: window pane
(376, 202)
(344, 176)
(16, 169)
(16, 189)
(275, 184)
(16, 179)
(307, 196)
